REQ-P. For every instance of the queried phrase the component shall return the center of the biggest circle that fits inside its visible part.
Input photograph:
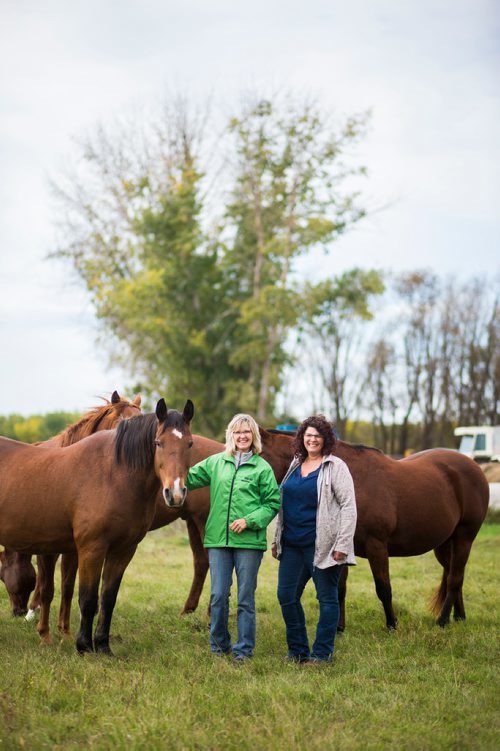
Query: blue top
(300, 503)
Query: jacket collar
(251, 460)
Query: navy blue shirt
(300, 503)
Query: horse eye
(190, 444)
(158, 444)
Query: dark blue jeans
(246, 563)
(295, 569)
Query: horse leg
(378, 558)
(46, 566)
(89, 573)
(342, 595)
(35, 597)
(114, 568)
(196, 530)
(460, 549)
(443, 555)
(69, 567)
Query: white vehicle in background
(480, 442)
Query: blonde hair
(256, 446)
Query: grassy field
(418, 688)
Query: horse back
(41, 488)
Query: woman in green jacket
(244, 498)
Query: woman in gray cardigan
(314, 538)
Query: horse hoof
(104, 649)
(83, 648)
(30, 615)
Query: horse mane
(358, 446)
(135, 441)
(135, 438)
(86, 425)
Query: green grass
(418, 688)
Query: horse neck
(277, 449)
(204, 447)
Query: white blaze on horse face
(177, 433)
(177, 488)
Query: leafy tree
(197, 307)
(286, 200)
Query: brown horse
(194, 512)
(98, 497)
(16, 570)
(433, 500)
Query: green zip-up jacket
(249, 492)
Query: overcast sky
(428, 70)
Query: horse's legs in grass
(46, 565)
(460, 549)
(89, 573)
(378, 558)
(69, 567)
(443, 554)
(196, 530)
(342, 596)
(114, 567)
(35, 597)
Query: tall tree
(286, 200)
(201, 305)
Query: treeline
(190, 247)
(428, 361)
(36, 427)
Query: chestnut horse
(16, 569)
(98, 497)
(433, 500)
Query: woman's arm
(200, 475)
(345, 495)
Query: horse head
(173, 442)
(18, 575)
(120, 409)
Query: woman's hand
(238, 526)
(338, 556)
(274, 550)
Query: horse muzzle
(174, 498)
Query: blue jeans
(295, 569)
(246, 563)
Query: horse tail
(439, 596)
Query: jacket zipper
(229, 506)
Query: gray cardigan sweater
(336, 516)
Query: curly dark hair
(324, 428)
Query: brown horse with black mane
(98, 497)
(16, 569)
(433, 500)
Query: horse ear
(188, 411)
(137, 400)
(115, 397)
(161, 410)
